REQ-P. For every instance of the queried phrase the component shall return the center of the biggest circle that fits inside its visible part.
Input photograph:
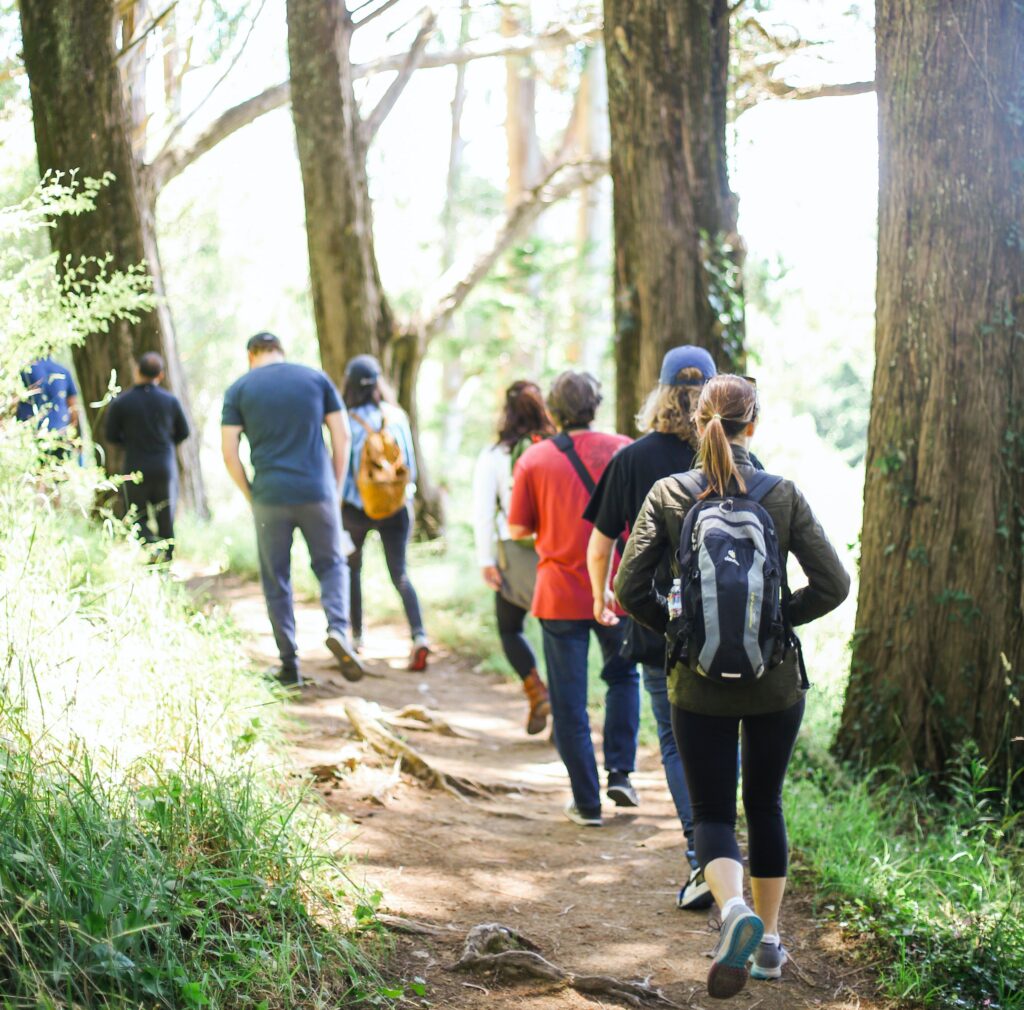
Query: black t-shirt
(149, 422)
(629, 477)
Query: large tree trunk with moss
(938, 656)
(677, 255)
(349, 304)
(81, 124)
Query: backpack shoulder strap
(693, 483)
(362, 423)
(564, 442)
(760, 484)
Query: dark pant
(394, 536)
(566, 644)
(518, 651)
(708, 747)
(321, 529)
(159, 490)
(656, 684)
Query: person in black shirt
(149, 423)
(668, 447)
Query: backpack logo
(731, 558)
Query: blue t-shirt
(398, 425)
(281, 408)
(51, 385)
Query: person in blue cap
(668, 446)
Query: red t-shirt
(549, 498)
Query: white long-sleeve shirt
(492, 488)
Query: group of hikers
(671, 550)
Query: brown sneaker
(540, 706)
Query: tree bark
(676, 275)
(938, 655)
(81, 124)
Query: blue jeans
(656, 684)
(566, 644)
(320, 525)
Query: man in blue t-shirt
(52, 399)
(282, 409)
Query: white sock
(772, 938)
(730, 905)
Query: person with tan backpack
(378, 493)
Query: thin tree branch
(372, 123)
(180, 125)
(172, 161)
(150, 28)
(456, 283)
(780, 89)
(373, 15)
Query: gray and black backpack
(732, 574)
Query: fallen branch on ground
(400, 924)
(493, 946)
(368, 726)
(417, 717)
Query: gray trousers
(320, 525)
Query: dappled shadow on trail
(593, 900)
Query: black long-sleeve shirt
(149, 422)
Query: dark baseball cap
(363, 369)
(687, 356)
(260, 343)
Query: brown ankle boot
(540, 707)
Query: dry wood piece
(494, 946)
(418, 717)
(400, 924)
(368, 726)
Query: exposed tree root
(417, 717)
(493, 946)
(368, 726)
(400, 924)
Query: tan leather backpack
(383, 473)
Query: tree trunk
(676, 277)
(81, 123)
(938, 654)
(351, 310)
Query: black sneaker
(584, 818)
(621, 791)
(287, 676)
(695, 895)
(348, 661)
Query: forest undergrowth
(927, 887)
(152, 853)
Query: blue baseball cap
(687, 356)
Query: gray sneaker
(741, 936)
(768, 960)
(348, 661)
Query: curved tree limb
(372, 123)
(457, 282)
(780, 89)
(175, 158)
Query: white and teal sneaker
(741, 935)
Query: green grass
(151, 855)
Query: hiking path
(594, 901)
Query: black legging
(707, 744)
(510, 627)
(394, 535)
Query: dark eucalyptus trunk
(677, 255)
(938, 653)
(82, 124)
(349, 304)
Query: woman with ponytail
(709, 714)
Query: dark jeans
(566, 644)
(159, 490)
(708, 746)
(394, 535)
(321, 529)
(518, 651)
(656, 685)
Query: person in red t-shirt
(551, 488)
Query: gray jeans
(320, 525)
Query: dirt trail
(594, 900)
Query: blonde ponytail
(726, 406)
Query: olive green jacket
(656, 534)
